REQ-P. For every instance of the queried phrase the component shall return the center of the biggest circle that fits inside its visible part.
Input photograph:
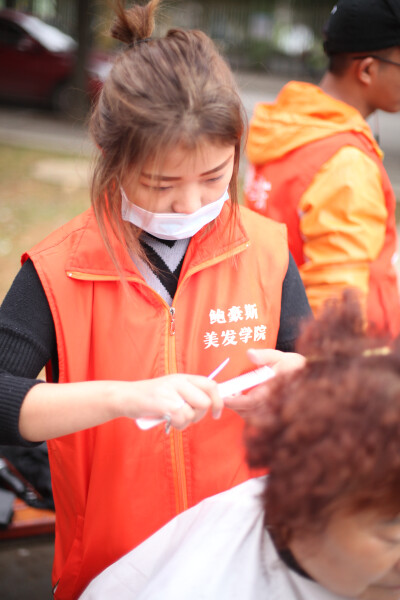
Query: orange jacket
(317, 168)
(114, 485)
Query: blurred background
(277, 34)
(54, 56)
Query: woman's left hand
(280, 362)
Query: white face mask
(171, 226)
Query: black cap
(362, 26)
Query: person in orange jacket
(135, 303)
(315, 165)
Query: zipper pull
(172, 325)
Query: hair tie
(137, 42)
(383, 351)
(380, 351)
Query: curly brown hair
(330, 432)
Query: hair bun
(134, 25)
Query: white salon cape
(217, 550)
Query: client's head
(330, 436)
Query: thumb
(266, 356)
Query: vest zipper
(172, 321)
(178, 470)
(176, 437)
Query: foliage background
(31, 204)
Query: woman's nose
(187, 200)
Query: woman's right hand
(185, 399)
(51, 410)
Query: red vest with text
(290, 176)
(114, 485)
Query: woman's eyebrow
(221, 166)
(166, 178)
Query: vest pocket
(65, 587)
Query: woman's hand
(51, 410)
(280, 362)
(184, 399)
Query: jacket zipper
(176, 437)
(172, 321)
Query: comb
(245, 381)
(226, 389)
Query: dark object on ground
(6, 507)
(26, 472)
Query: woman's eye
(157, 188)
(214, 179)
(392, 541)
(392, 536)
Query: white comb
(147, 423)
(226, 389)
(245, 381)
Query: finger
(181, 402)
(235, 402)
(167, 398)
(200, 394)
(280, 362)
(242, 402)
(210, 388)
(184, 416)
(246, 403)
(267, 356)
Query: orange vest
(114, 485)
(290, 176)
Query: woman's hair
(160, 93)
(330, 432)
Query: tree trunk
(80, 101)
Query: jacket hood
(302, 113)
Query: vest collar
(89, 258)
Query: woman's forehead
(204, 159)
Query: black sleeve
(294, 308)
(27, 343)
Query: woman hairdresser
(134, 303)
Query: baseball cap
(362, 26)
